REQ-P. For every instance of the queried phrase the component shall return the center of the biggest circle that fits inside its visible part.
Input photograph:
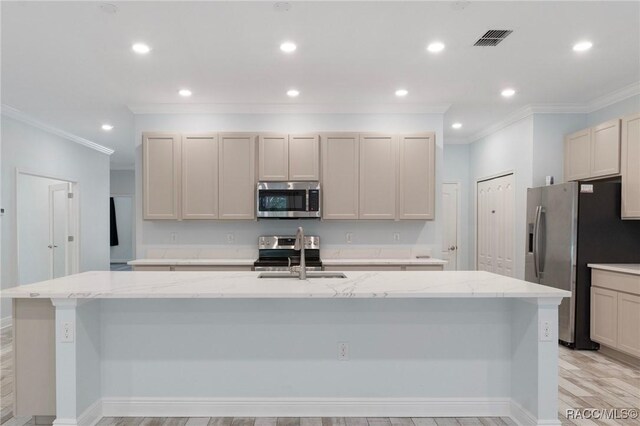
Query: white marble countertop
(249, 262)
(406, 284)
(625, 268)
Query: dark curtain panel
(114, 226)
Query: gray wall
(157, 234)
(456, 170)
(30, 149)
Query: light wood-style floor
(587, 380)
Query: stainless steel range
(278, 253)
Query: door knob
(452, 248)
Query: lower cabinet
(604, 318)
(629, 324)
(615, 311)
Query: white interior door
(59, 209)
(495, 225)
(450, 218)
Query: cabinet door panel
(417, 176)
(200, 176)
(161, 175)
(577, 155)
(629, 324)
(378, 166)
(604, 320)
(273, 163)
(304, 157)
(630, 160)
(340, 165)
(237, 162)
(605, 149)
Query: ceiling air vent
(492, 37)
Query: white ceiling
(70, 65)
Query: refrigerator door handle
(536, 242)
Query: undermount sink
(295, 275)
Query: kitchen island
(231, 344)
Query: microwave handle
(307, 201)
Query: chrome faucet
(299, 245)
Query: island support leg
(534, 368)
(78, 381)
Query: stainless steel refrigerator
(568, 226)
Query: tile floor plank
(288, 421)
(423, 421)
(311, 421)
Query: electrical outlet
(349, 237)
(396, 236)
(174, 238)
(68, 332)
(231, 238)
(546, 334)
(343, 351)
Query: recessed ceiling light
(582, 46)
(184, 92)
(288, 47)
(106, 127)
(402, 92)
(292, 93)
(435, 47)
(456, 125)
(507, 93)
(141, 48)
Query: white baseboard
(5, 322)
(523, 417)
(89, 417)
(306, 407)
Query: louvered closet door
(495, 225)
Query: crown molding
(355, 108)
(18, 115)
(613, 97)
(510, 119)
(575, 108)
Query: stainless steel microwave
(288, 200)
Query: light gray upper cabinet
(284, 157)
(161, 175)
(378, 169)
(605, 149)
(417, 176)
(577, 155)
(304, 157)
(237, 163)
(630, 160)
(340, 175)
(273, 157)
(200, 176)
(593, 153)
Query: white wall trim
(18, 115)
(5, 322)
(91, 415)
(306, 407)
(616, 96)
(285, 108)
(570, 108)
(510, 119)
(523, 417)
